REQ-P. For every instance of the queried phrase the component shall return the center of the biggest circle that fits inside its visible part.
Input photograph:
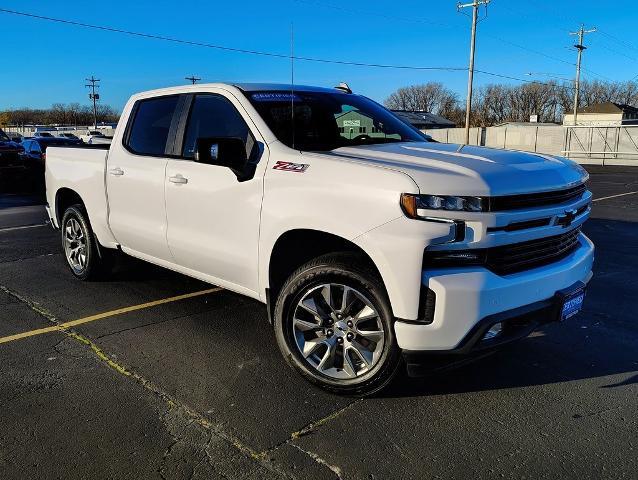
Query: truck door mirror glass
(227, 152)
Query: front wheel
(80, 246)
(334, 325)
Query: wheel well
(64, 198)
(296, 247)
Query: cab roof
(283, 87)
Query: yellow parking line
(100, 316)
(614, 196)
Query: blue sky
(50, 61)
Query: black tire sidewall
(333, 269)
(92, 255)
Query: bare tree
(430, 97)
(61, 114)
(498, 103)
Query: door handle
(117, 172)
(179, 179)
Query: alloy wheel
(338, 331)
(75, 245)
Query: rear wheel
(81, 250)
(334, 325)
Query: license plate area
(570, 301)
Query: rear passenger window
(214, 116)
(149, 131)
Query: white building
(606, 114)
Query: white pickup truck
(371, 246)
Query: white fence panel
(595, 145)
(455, 135)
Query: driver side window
(214, 116)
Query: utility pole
(468, 108)
(579, 47)
(193, 79)
(93, 84)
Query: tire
(346, 346)
(83, 255)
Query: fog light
(493, 332)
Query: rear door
(135, 177)
(213, 218)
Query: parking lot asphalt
(195, 387)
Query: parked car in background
(68, 135)
(91, 134)
(97, 140)
(11, 165)
(43, 135)
(33, 157)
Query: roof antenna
(292, 80)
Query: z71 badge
(291, 167)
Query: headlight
(411, 204)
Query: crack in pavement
(190, 413)
(22, 259)
(168, 399)
(334, 469)
(309, 429)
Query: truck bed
(80, 169)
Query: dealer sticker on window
(275, 97)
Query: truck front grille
(531, 200)
(508, 259)
(535, 253)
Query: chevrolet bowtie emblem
(567, 218)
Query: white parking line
(10, 229)
(613, 196)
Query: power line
(446, 25)
(617, 52)
(278, 55)
(619, 40)
(531, 50)
(223, 47)
(524, 80)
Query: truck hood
(447, 169)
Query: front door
(135, 178)
(213, 218)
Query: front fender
(333, 195)
(397, 248)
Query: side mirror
(223, 151)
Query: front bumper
(466, 297)
(514, 325)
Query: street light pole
(468, 107)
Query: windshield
(4, 137)
(326, 121)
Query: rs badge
(291, 167)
